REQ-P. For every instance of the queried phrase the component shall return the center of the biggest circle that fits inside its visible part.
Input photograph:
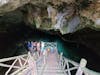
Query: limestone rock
(92, 12)
(10, 5)
(57, 15)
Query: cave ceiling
(66, 16)
(59, 17)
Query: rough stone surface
(10, 5)
(93, 12)
(43, 14)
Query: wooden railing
(32, 66)
(65, 65)
(21, 60)
(21, 63)
(24, 63)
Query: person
(34, 46)
(29, 45)
(39, 47)
(34, 52)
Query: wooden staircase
(52, 64)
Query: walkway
(52, 66)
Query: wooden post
(83, 63)
(45, 57)
(61, 60)
(32, 65)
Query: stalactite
(60, 19)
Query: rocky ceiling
(66, 16)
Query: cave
(21, 24)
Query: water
(11, 44)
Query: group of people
(39, 47)
(34, 46)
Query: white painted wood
(12, 58)
(19, 60)
(5, 65)
(7, 72)
(83, 63)
(39, 68)
(68, 69)
(19, 70)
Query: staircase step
(51, 73)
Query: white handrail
(7, 72)
(17, 59)
(90, 72)
(5, 65)
(33, 65)
(20, 69)
(12, 58)
(65, 62)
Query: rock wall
(92, 12)
(10, 5)
(57, 15)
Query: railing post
(32, 65)
(61, 59)
(44, 57)
(83, 63)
